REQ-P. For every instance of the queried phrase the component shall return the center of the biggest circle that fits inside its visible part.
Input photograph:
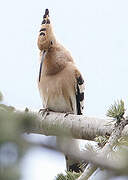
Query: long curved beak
(42, 60)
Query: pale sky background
(95, 32)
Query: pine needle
(117, 110)
(69, 176)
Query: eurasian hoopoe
(60, 83)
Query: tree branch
(76, 126)
(80, 127)
(104, 152)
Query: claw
(67, 113)
(43, 111)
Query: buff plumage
(60, 83)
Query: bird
(61, 85)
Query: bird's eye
(51, 42)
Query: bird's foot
(44, 111)
(67, 113)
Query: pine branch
(117, 110)
(69, 176)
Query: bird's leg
(43, 111)
(46, 110)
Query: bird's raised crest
(46, 38)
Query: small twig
(116, 134)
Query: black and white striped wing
(80, 95)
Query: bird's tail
(46, 37)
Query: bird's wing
(79, 93)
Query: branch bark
(76, 126)
(80, 127)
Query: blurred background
(95, 32)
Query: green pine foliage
(102, 140)
(69, 176)
(117, 110)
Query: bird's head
(46, 38)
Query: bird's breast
(58, 93)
